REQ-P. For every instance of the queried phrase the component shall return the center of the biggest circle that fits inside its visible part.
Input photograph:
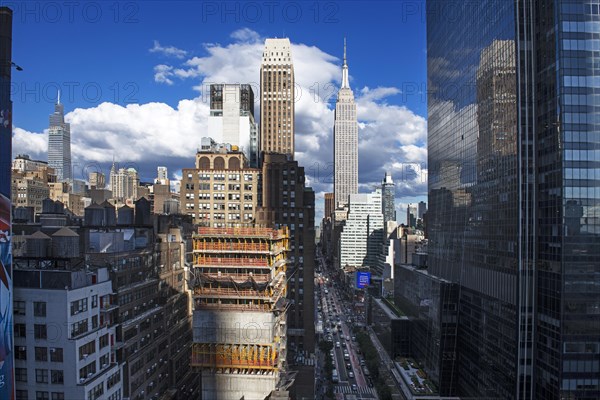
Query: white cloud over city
(391, 137)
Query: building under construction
(239, 288)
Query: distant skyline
(138, 91)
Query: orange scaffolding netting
(241, 261)
(243, 356)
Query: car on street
(354, 387)
(337, 344)
(350, 374)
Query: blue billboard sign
(363, 279)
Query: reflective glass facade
(514, 191)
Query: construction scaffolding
(238, 356)
(238, 282)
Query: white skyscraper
(362, 234)
(345, 141)
(231, 118)
(59, 143)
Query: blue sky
(120, 96)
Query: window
(58, 396)
(104, 361)
(87, 349)
(40, 331)
(22, 395)
(113, 380)
(79, 328)
(94, 301)
(41, 396)
(78, 306)
(94, 322)
(96, 392)
(88, 370)
(39, 308)
(56, 354)
(19, 307)
(41, 354)
(21, 374)
(20, 330)
(103, 341)
(57, 376)
(41, 375)
(20, 353)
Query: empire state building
(345, 138)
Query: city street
(334, 316)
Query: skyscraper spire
(345, 83)
(344, 52)
(58, 97)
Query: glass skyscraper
(59, 143)
(514, 192)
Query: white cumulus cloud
(167, 51)
(391, 137)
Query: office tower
(421, 209)
(124, 183)
(411, 215)
(329, 205)
(362, 234)
(222, 191)
(388, 197)
(6, 277)
(513, 192)
(277, 98)
(29, 190)
(426, 300)
(97, 180)
(29, 182)
(231, 118)
(239, 318)
(59, 143)
(286, 201)
(345, 141)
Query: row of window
(39, 308)
(230, 216)
(221, 177)
(40, 331)
(41, 353)
(40, 395)
(53, 376)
